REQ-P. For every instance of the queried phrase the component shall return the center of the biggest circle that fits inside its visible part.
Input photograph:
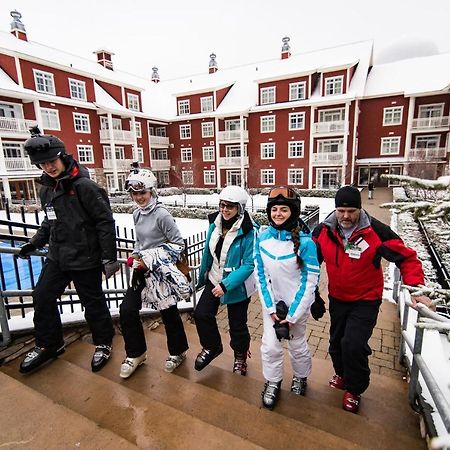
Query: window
(137, 127)
(81, 123)
(296, 149)
(235, 124)
(110, 183)
(183, 107)
(161, 131)
(185, 131)
(158, 154)
(390, 146)
(187, 176)
(328, 178)
(138, 154)
(268, 176)
(207, 129)
(267, 95)
(151, 130)
(297, 91)
(209, 177)
(332, 115)
(333, 86)
(295, 176)
(116, 123)
(392, 116)
(85, 154)
(267, 124)
(13, 150)
(330, 146)
(44, 82)
(427, 111)
(50, 119)
(186, 154)
(133, 101)
(297, 121)
(234, 151)
(208, 154)
(206, 104)
(77, 89)
(268, 150)
(120, 152)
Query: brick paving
(385, 340)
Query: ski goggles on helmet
(135, 186)
(285, 192)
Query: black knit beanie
(348, 197)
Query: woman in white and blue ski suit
(287, 275)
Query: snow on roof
(104, 101)
(410, 76)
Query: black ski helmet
(284, 196)
(42, 148)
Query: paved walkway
(386, 336)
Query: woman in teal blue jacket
(226, 273)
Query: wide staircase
(64, 405)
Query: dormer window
(77, 89)
(334, 85)
(184, 107)
(297, 91)
(133, 102)
(206, 104)
(267, 95)
(44, 82)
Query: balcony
(159, 141)
(430, 123)
(120, 136)
(336, 127)
(329, 158)
(123, 165)
(233, 162)
(9, 125)
(232, 136)
(427, 154)
(160, 164)
(17, 164)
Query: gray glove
(110, 268)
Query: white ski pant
(272, 351)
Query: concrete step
(30, 420)
(210, 404)
(380, 418)
(140, 420)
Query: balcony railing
(337, 126)
(160, 164)
(122, 164)
(12, 125)
(232, 162)
(18, 164)
(427, 123)
(328, 158)
(233, 135)
(119, 135)
(159, 140)
(426, 154)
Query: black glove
(26, 250)
(281, 329)
(318, 307)
(110, 268)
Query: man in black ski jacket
(79, 230)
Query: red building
(311, 120)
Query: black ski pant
(352, 324)
(133, 331)
(50, 286)
(206, 323)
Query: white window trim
(268, 91)
(210, 124)
(185, 154)
(89, 149)
(263, 171)
(389, 109)
(390, 138)
(133, 101)
(186, 126)
(429, 105)
(209, 147)
(262, 119)
(137, 128)
(209, 101)
(292, 170)
(263, 146)
(88, 123)
(190, 174)
(81, 83)
(333, 79)
(324, 112)
(36, 72)
(57, 118)
(187, 107)
(303, 121)
(289, 149)
(209, 173)
(298, 83)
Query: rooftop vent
(104, 58)
(155, 75)
(212, 63)
(286, 49)
(17, 27)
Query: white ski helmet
(235, 194)
(141, 180)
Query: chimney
(286, 49)
(17, 27)
(155, 75)
(212, 63)
(104, 58)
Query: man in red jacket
(351, 243)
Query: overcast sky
(178, 36)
